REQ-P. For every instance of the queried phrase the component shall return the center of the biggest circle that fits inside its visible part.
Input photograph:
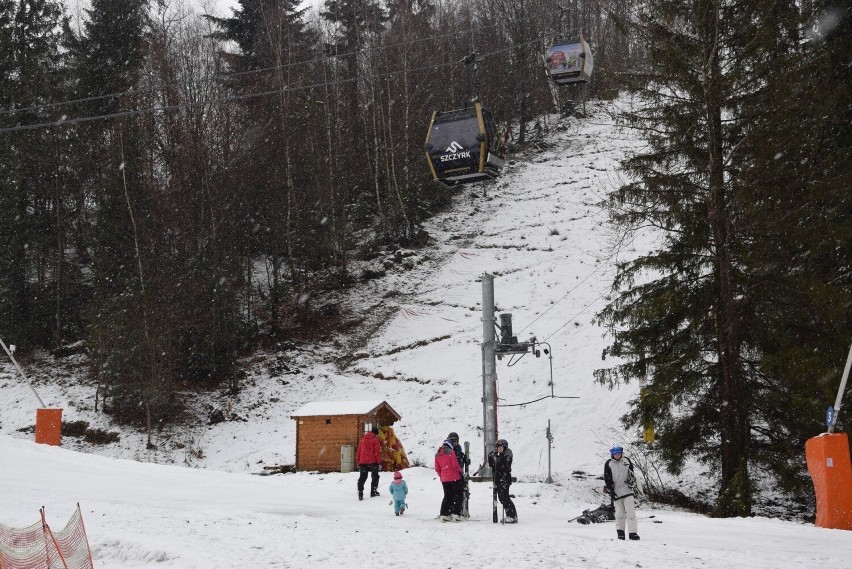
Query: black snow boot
(360, 496)
(374, 493)
(620, 533)
(633, 536)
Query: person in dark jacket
(369, 460)
(500, 461)
(620, 480)
(460, 455)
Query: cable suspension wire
(561, 299)
(294, 88)
(224, 76)
(575, 316)
(537, 400)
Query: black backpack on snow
(603, 513)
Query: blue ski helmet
(615, 450)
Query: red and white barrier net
(38, 547)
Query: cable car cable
(561, 299)
(575, 316)
(90, 118)
(235, 74)
(537, 400)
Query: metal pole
(550, 359)
(11, 357)
(489, 373)
(839, 400)
(549, 479)
(549, 352)
(476, 74)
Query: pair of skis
(494, 498)
(466, 495)
(586, 519)
(494, 501)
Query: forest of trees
(178, 189)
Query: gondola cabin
(462, 146)
(570, 62)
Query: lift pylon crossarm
(515, 348)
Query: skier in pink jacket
(450, 472)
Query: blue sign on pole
(829, 416)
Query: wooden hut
(324, 428)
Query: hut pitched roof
(329, 408)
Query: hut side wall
(318, 441)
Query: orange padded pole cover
(48, 426)
(831, 470)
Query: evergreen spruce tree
(406, 102)
(354, 23)
(796, 220)
(31, 74)
(108, 60)
(280, 204)
(198, 234)
(683, 313)
(131, 342)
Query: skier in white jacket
(619, 480)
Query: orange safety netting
(38, 547)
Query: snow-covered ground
(142, 515)
(194, 502)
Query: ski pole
(585, 513)
(466, 497)
(494, 497)
(494, 489)
(637, 519)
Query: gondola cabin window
(456, 140)
(569, 62)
